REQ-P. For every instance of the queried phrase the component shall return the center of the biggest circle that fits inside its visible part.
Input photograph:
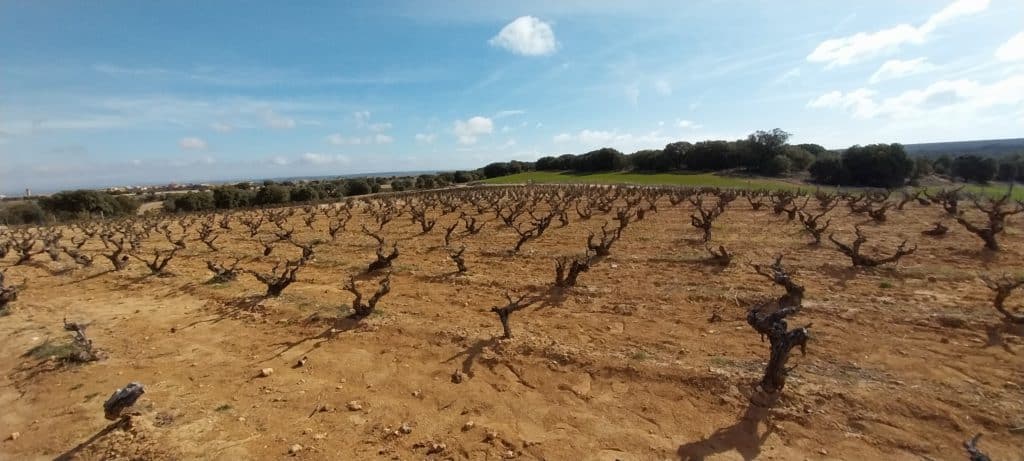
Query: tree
(674, 154)
(974, 168)
(712, 156)
(814, 149)
(88, 202)
(877, 165)
(272, 194)
(943, 164)
(400, 185)
(799, 158)
(229, 197)
(494, 170)
(763, 147)
(603, 159)
(1009, 169)
(828, 169)
(547, 164)
(777, 166)
(922, 168)
(193, 201)
(357, 187)
(304, 194)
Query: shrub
(26, 212)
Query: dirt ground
(905, 362)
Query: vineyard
(523, 322)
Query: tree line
(768, 153)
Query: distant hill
(990, 147)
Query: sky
(126, 92)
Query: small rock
(491, 435)
(301, 362)
(468, 426)
(326, 408)
(294, 449)
(510, 454)
(14, 436)
(266, 372)
(823, 451)
(320, 436)
(437, 448)
(405, 429)
(417, 393)
(458, 376)
(354, 405)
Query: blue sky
(109, 92)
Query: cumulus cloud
(526, 36)
(838, 52)
(425, 138)
(898, 68)
(273, 120)
(468, 131)
(221, 127)
(1012, 50)
(192, 143)
(961, 97)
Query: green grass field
(696, 180)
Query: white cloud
(508, 113)
(897, 68)
(425, 138)
(221, 127)
(468, 131)
(858, 102)
(838, 52)
(277, 122)
(191, 143)
(279, 160)
(688, 124)
(527, 36)
(323, 159)
(788, 75)
(338, 139)
(1012, 50)
(562, 137)
(945, 100)
(623, 141)
(663, 87)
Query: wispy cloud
(838, 52)
(192, 143)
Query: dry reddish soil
(906, 362)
